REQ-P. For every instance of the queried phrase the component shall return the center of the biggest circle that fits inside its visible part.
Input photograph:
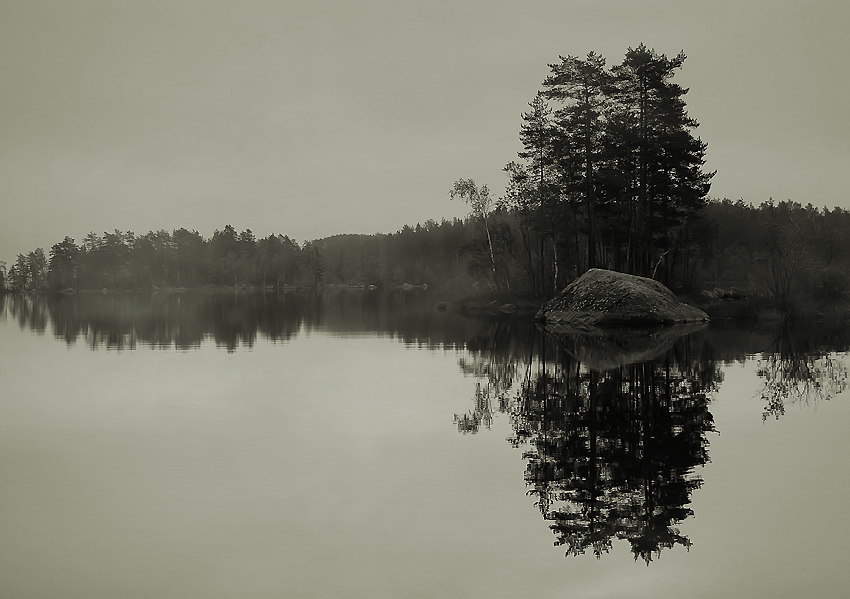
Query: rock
(607, 298)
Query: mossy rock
(607, 298)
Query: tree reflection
(610, 452)
(179, 320)
(237, 319)
(495, 355)
(799, 369)
(27, 309)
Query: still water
(359, 444)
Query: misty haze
(423, 300)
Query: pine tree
(650, 131)
(581, 86)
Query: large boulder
(607, 298)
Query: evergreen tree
(650, 133)
(63, 264)
(581, 85)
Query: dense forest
(780, 249)
(610, 176)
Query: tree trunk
(492, 257)
(575, 238)
(525, 244)
(555, 265)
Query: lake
(374, 444)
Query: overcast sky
(322, 117)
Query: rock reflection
(611, 446)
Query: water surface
(358, 444)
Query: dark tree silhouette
(610, 453)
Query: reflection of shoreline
(607, 348)
(796, 371)
(232, 320)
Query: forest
(611, 175)
(779, 249)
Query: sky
(323, 117)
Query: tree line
(428, 254)
(787, 251)
(182, 258)
(781, 249)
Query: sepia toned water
(367, 444)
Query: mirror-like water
(359, 444)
